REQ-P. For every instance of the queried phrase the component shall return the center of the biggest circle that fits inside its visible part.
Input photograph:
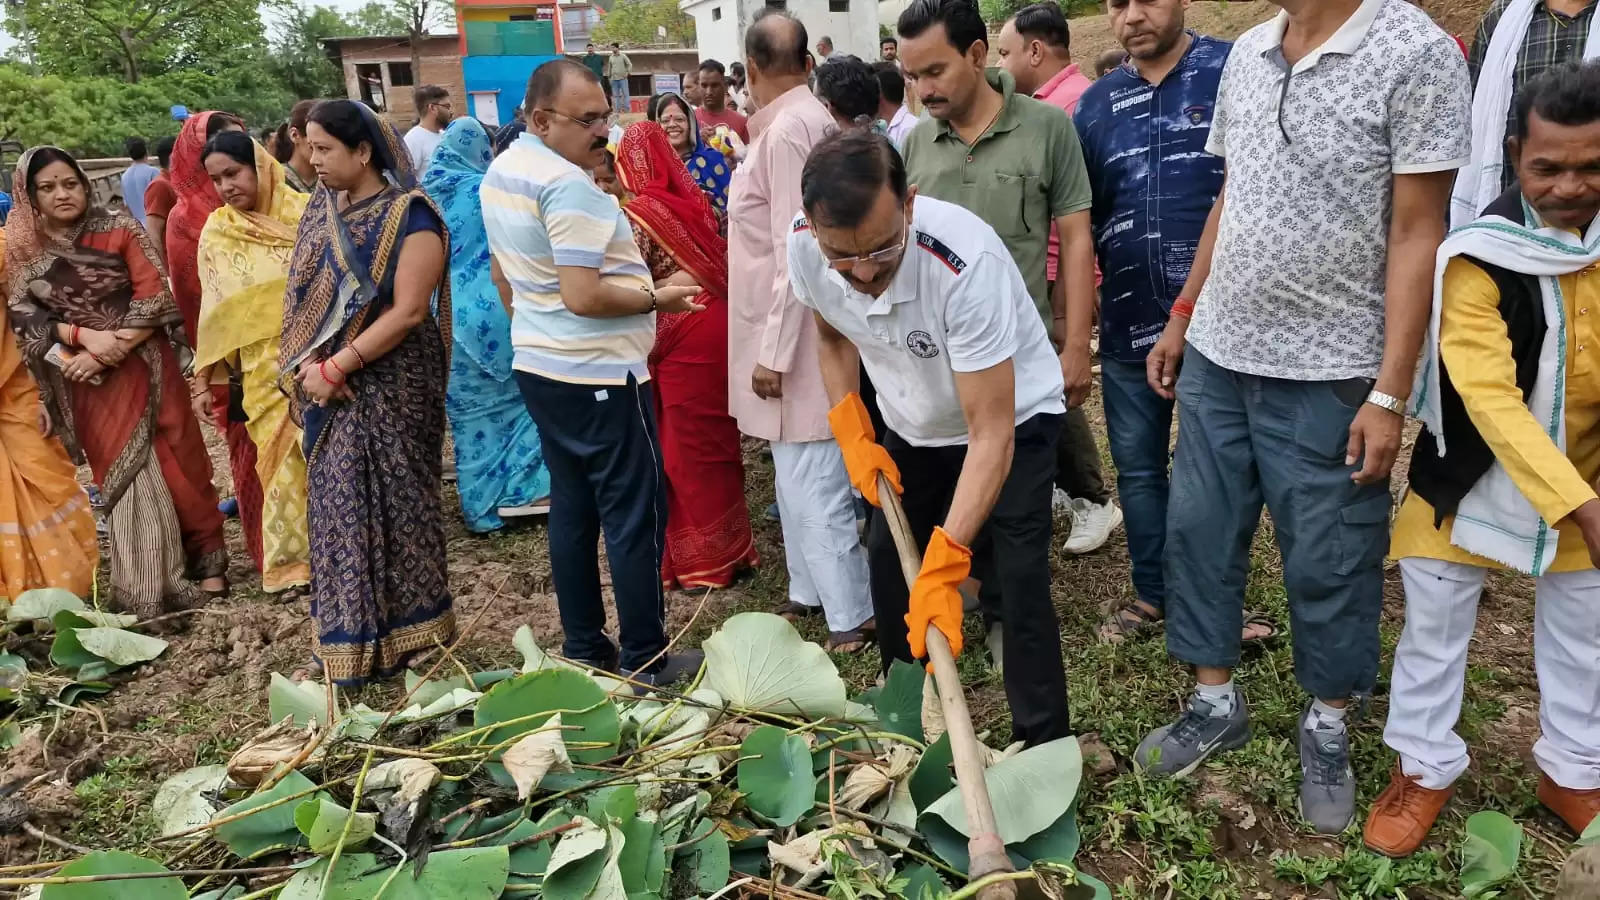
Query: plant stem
(972, 889)
(344, 833)
(139, 876)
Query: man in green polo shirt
(1017, 164)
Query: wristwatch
(1387, 401)
(651, 293)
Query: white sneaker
(1092, 524)
(536, 508)
(1061, 502)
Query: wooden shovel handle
(986, 849)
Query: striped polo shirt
(540, 212)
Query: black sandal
(794, 612)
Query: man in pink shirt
(1035, 46)
(775, 386)
(714, 109)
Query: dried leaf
(408, 778)
(277, 745)
(535, 755)
(866, 783)
(992, 756)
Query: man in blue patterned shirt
(1144, 128)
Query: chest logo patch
(922, 345)
(1196, 114)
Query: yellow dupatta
(244, 265)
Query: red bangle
(343, 375)
(1183, 306)
(322, 369)
(72, 336)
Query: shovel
(985, 848)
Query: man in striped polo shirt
(582, 322)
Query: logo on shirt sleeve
(941, 250)
(920, 343)
(800, 224)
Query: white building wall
(854, 30)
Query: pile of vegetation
(762, 777)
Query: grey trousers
(1244, 440)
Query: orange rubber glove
(936, 596)
(864, 457)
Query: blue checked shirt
(1154, 185)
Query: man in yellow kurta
(1503, 476)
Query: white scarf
(1479, 182)
(1494, 519)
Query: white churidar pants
(827, 564)
(1430, 666)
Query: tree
(298, 58)
(133, 37)
(418, 19)
(378, 19)
(636, 22)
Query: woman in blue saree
(368, 357)
(499, 464)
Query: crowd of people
(1253, 239)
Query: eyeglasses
(886, 255)
(585, 124)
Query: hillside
(1091, 35)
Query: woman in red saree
(102, 336)
(197, 199)
(708, 524)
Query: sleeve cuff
(1424, 168)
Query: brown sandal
(853, 641)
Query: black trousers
(1018, 532)
(605, 473)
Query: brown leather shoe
(1402, 815)
(1576, 808)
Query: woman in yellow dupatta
(244, 265)
(47, 534)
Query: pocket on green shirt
(1017, 205)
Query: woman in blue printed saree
(368, 359)
(499, 463)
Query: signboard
(664, 82)
(486, 107)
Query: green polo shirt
(1019, 176)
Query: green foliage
(634, 22)
(997, 11)
(93, 116)
(134, 38)
(1489, 853)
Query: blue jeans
(1244, 440)
(1139, 430)
(619, 95)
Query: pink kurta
(767, 325)
(1064, 91)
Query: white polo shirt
(957, 304)
(1297, 280)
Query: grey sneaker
(679, 666)
(1178, 749)
(1327, 783)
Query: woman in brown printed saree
(101, 334)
